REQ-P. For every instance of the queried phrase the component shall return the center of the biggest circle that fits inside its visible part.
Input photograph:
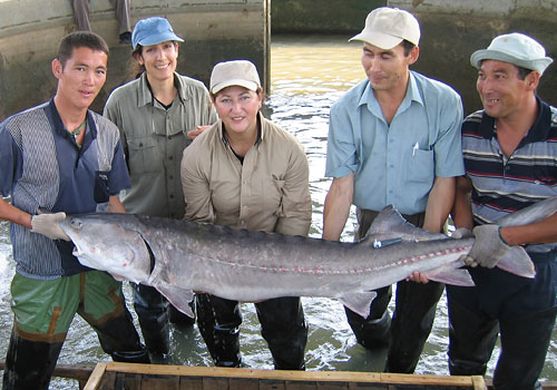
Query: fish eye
(76, 223)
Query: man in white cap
(510, 157)
(394, 139)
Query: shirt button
(171, 196)
(169, 137)
(171, 157)
(171, 177)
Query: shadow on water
(309, 74)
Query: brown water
(308, 75)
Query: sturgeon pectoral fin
(516, 261)
(454, 277)
(359, 302)
(179, 298)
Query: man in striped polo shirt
(510, 155)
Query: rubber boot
(285, 330)
(29, 364)
(119, 339)
(152, 311)
(373, 332)
(221, 335)
(411, 324)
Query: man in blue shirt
(394, 139)
(55, 158)
(510, 156)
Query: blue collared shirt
(396, 164)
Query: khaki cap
(387, 27)
(239, 72)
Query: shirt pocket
(144, 156)
(275, 197)
(421, 168)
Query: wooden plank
(332, 386)
(300, 385)
(244, 384)
(96, 376)
(217, 378)
(191, 383)
(271, 384)
(160, 382)
(479, 383)
(128, 381)
(210, 383)
(433, 380)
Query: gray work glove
(47, 225)
(489, 247)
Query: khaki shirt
(154, 139)
(269, 191)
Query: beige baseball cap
(515, 48)
(387, 27)
(239, 72)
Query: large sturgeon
(178, 257)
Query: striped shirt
(502, 185)
(42, 169)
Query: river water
(308, 75)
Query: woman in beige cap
(157, 114)
(248, 173)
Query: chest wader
(152, 312)
(219, 323)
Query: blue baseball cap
(152, 31)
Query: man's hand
(489, 247)
(47, 225)
(461, 233)
(191, 134)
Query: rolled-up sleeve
(195, 184)
(342, 157)
(296, 199)
(448, 146)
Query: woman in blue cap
(158, 115)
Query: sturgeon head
(104, 244)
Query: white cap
(515, 48)
(239, 72)
(387, 27)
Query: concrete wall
(214, 30)
(451, 31)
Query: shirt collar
(412, 94)
(58, 126)
(538, 132)
(145, 96)
(260, 129)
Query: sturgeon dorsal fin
(390, 224)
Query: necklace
(77, 131)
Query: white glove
(47, 225)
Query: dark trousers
(282, 326)
(521, 310)
(415, 305)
